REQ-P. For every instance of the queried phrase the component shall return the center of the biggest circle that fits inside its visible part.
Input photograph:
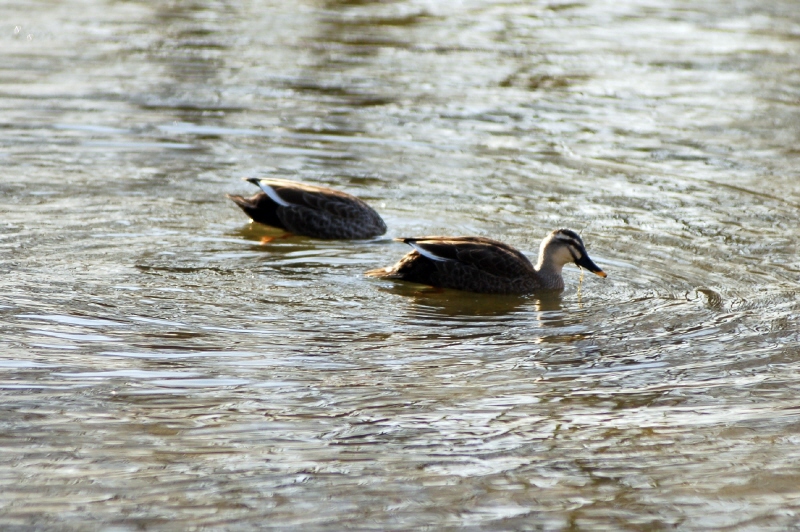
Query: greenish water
(160, 368)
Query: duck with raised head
(309, 210)
(478, 264)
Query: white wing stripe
(425, 253)
(269, 191)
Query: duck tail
(241, 201)
(387, 272)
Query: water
(162, 369)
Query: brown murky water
(161, 369)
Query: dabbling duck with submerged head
(310, 210)
(478, 264)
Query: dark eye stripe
(569, 241)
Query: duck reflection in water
(466, 314)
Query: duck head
(561, 247)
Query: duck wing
(484, 254)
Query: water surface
(161, 368)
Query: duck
(308, 210)
(483, 265)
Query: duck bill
(586, 262)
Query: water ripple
(163, 368)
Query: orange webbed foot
(268, 239)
